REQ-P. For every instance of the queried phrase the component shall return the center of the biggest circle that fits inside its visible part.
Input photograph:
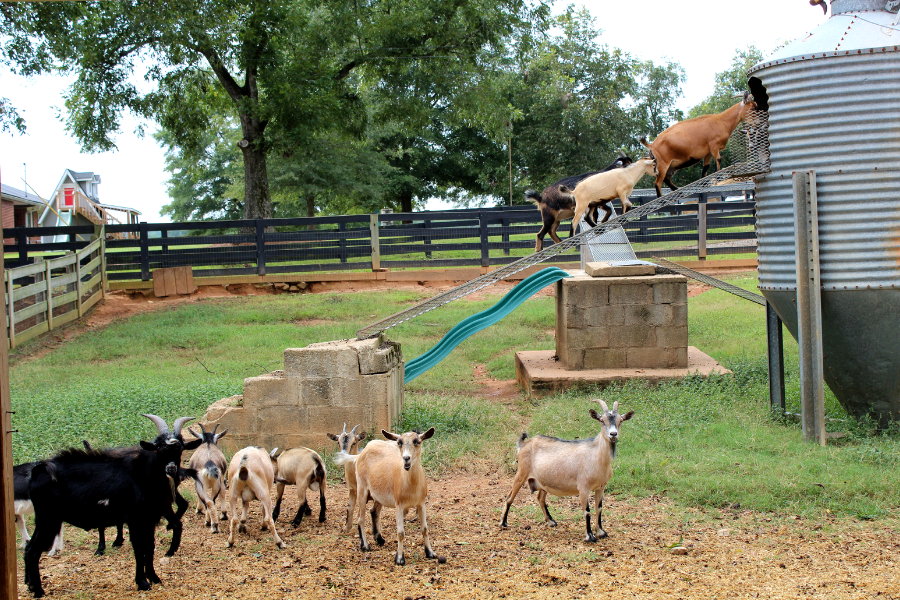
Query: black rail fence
(455, 238)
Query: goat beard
(612, 449)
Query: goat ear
(148, 446)
(745, 98)
(389, 435)
(361, 436)
(427, 434)
(628, 415)
(594, 414)
(331, 436)
(191, 445)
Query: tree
(289, 69)
(730, 84)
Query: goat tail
(532, 196)
(317, 477)
(644, 142)
(243, 473)
(521, 440)
(343, 458)
(210, 471)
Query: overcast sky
(702, 35)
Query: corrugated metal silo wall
(841, 117)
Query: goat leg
(376, 523)
(399, 558)
(279, 492)
(542, 501)
(586, 506)
(598, 501)
(120, 535)
(174, 523)
(101, 545)
(518, 482)
(303, 510)
(423, 519)
(322, 501)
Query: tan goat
(391, 474)
(304, 468)
(252, 472)
(210, 464)
(602, 188)
(688, 142)
(349, 443)
(570, 467)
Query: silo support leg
(809, 307)
(775, 344)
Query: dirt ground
(654, 551)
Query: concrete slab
(539, 372)
(604, 269)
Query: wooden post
(78, 283)
(22, 241)
(342, 241)
(260, 248)
(145, 251)
(11, 310)
(376, 248)
(809, 307)
(104, 282)
(164, 235)
(505, 237)
(49, 277)
(427, 227)
(8, 579)
(483, 235)
(701, 227)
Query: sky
(701, 35)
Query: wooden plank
(184, 280)
(62, 261)
(91, 301)
(8, 578)
(25, 271)
(65, 298)
(65, 318)
(159, 283)
(169, 279)
(30, 311)
(31, 332)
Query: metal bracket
(892, 6)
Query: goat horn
(272, 453)
(160, 423)
(214, 428)
(603, 404)
(353, 431)
(345, 429)
(179, 423)
(615, 406)
(202, 428)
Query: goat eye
(400, 443)
(416, 443)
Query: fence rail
(455, 238)
(48, 293)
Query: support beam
(8, 586)
(809, 307)
(775, 346)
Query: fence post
(10, 309)
(701, 227)
(260, 248)
(78, 283)
(49, 277)
(342, 241)
(483, 232)
(104, 282)
(427, 227)
(164, 234)
(145, 252)
(376, 247)
(505, 237)
(22, 240)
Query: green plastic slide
(470, 325)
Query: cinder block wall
(321, 387)
(621, 322)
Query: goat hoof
(143, 585)
(118, 543)
(364, 548)
(379, 540)
(399, 560)
(242, 528)
(590, 539)
(97, 552)
(551, 523)
(603, 535)
(429, 553)
(154, 578)
(322, 519)
(281, 545)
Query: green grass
(704, 443)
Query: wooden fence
(48, 293)
(457, 238)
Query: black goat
(97, 489)
(555, 206)
(23, 506)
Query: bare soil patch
(727, 554)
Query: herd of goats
(682, 145)
(137, 486)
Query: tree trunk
(311, 209)
(406, 201)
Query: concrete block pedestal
(321, 387)
(615, 323)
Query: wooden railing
(47, 294)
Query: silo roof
(852, 32)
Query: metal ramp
(750, 143)
(711, 281)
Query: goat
(304, 468)
(94, 489)
(392, 476)
(23, 506)
(210, 464)
(600, 189)
(349, 444)
(555, 206)
(570, 467)
(252, 472)
(688, 142)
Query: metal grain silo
(834, 106)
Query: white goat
(348, 442)
(570, 467)
(252, 472)
(210, 464)
(391, 475)
(602, 188)
(304, 468)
